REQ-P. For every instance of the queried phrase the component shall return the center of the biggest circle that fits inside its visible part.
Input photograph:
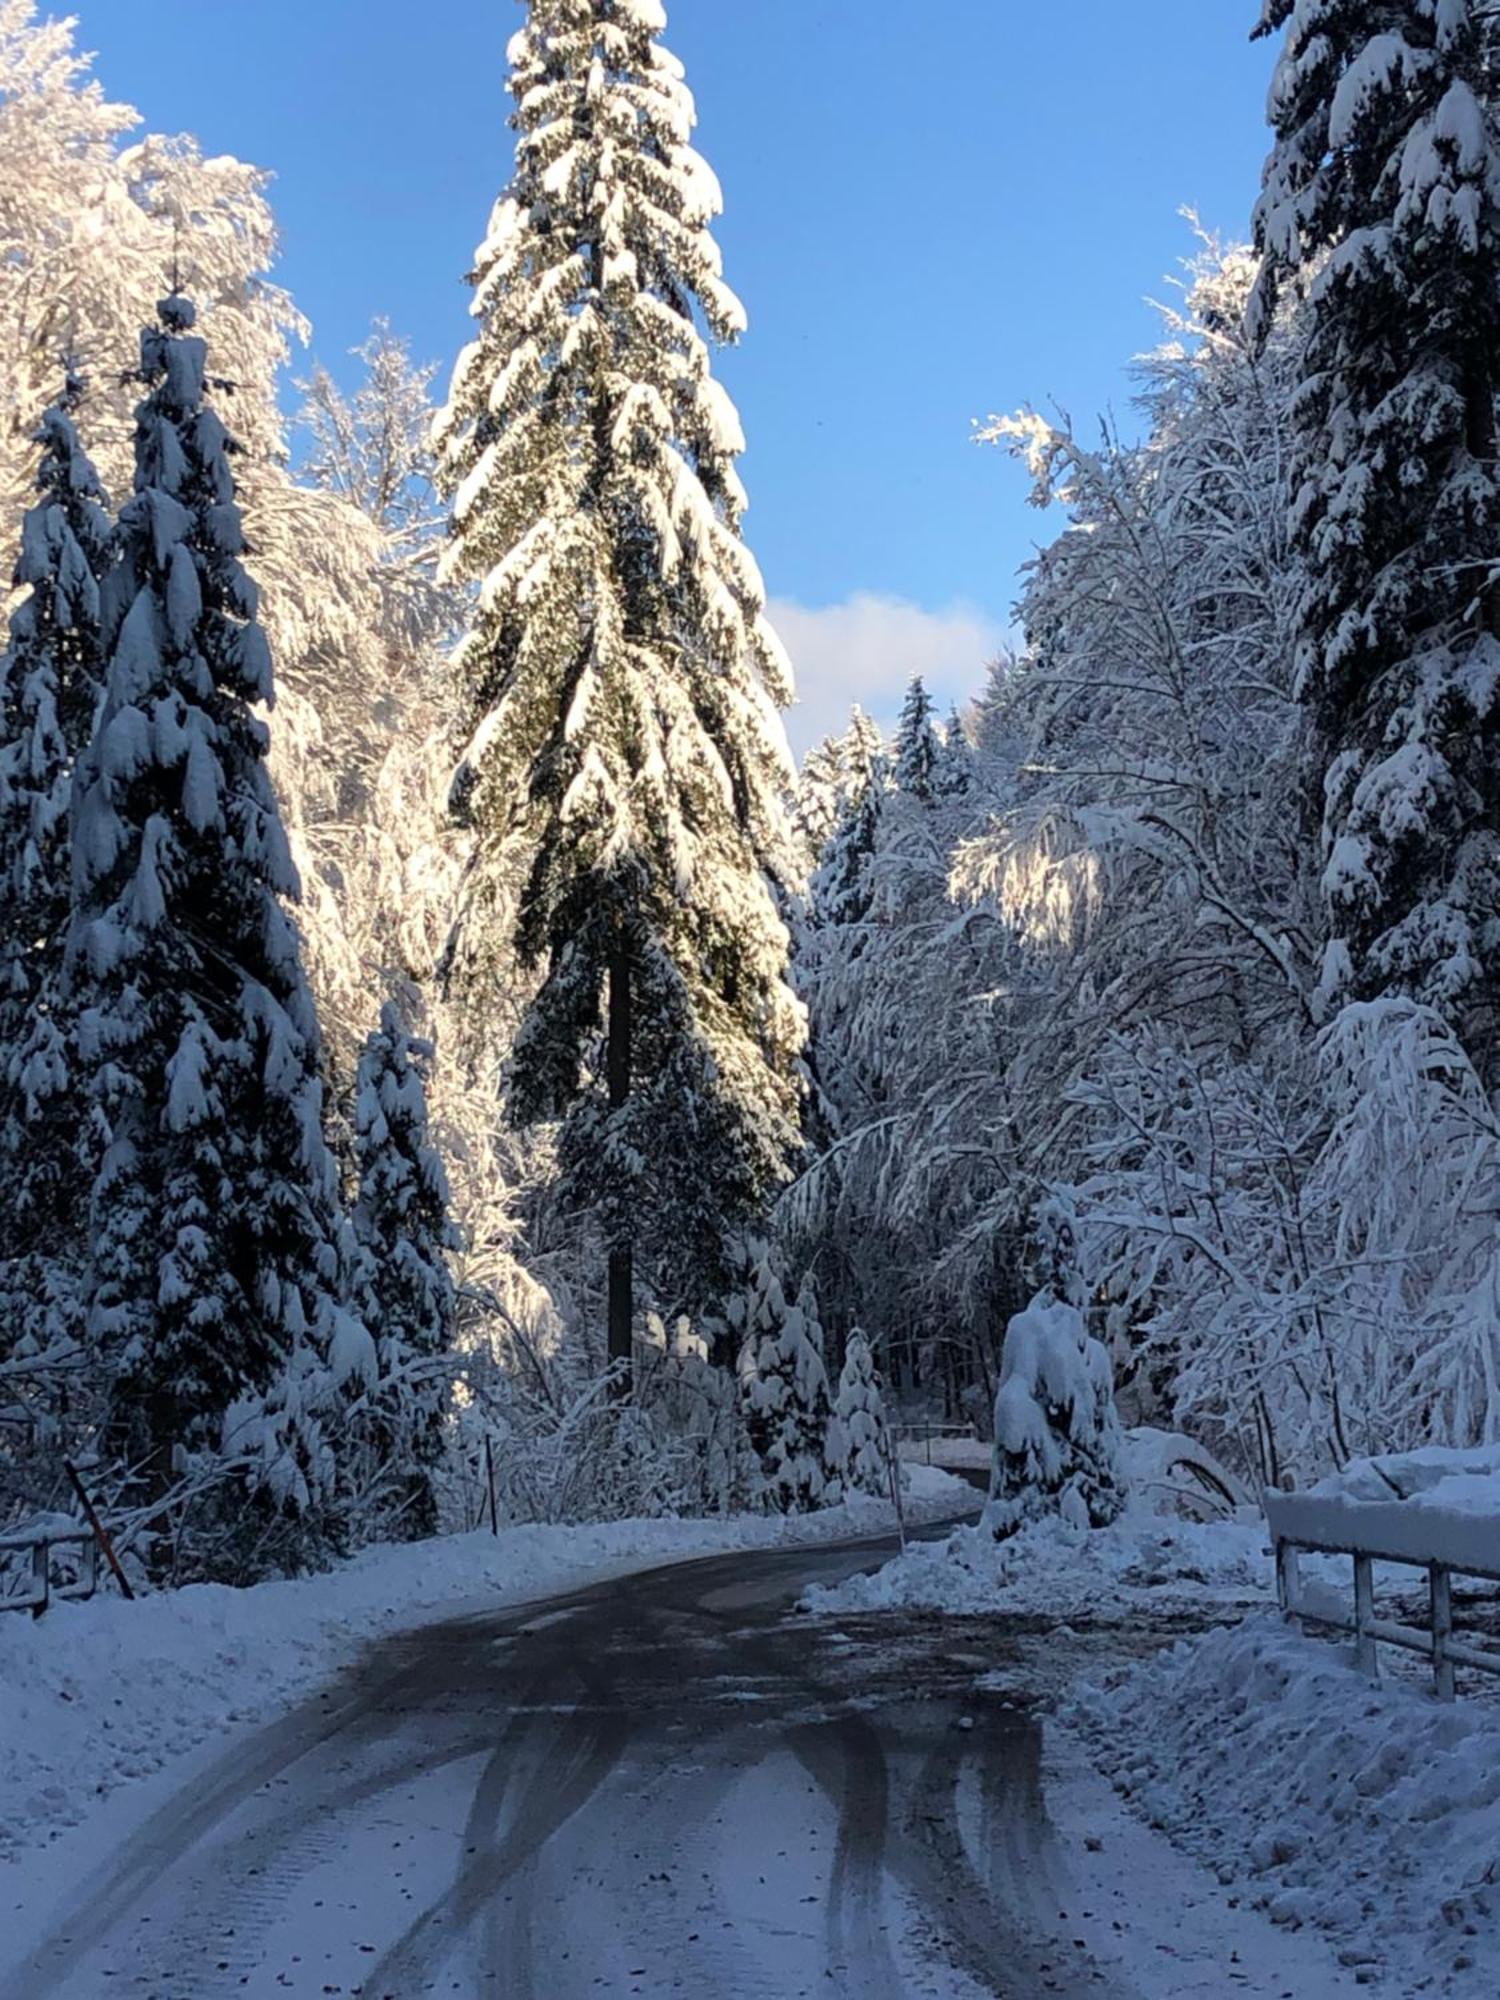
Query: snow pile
(97, 1694)
(1370, 1812)
(1432, 1476)
(1057, 1437)
(1050, 1568)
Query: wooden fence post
(1288, 1578)
(893, 1466)
(1364, 1617)
(1440, 1590)
(91, 1515)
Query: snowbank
(1370, 1812)
(95, 1695)
(1053, 1569)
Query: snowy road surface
(667, 1784)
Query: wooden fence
(1307, 1526)
(28, 1560)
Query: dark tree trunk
(1479, 399)
(621, 1263)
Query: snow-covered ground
(96, 1695)
(1370, 1812)
(1143, 1563)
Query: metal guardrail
(1296, 1531)
(39, 1545)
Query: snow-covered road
(669, 1783)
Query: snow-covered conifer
(843, 887)
(819, 799)
(401, 1220)
(50, 679)
(835, 775)
(1382, 202)
(862, 749)
(1057, 1437)
(835, 1438)
(784, 1389)
(217, 1254)
(861, 1412)
(621, 679)
(919, 750)
(955, 764)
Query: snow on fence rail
(33, 1573)
(1444, 1545)
(921, 1436)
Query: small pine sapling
(1057, 1435)
(784, 1389)
(861, 1413)
(405, 1236)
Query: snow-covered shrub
(1057, 1437)
(566, 1448)
(697, 1404)
(860, 1412)
(1407, 1190)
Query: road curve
(669, 1784)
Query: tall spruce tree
(918, 750)
(50, 680)
(405, 1236)
(1382, 200)
(621, 679)
(217, 1248)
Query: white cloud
(868, 648)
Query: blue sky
(933, 211)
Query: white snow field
(96, 1695)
